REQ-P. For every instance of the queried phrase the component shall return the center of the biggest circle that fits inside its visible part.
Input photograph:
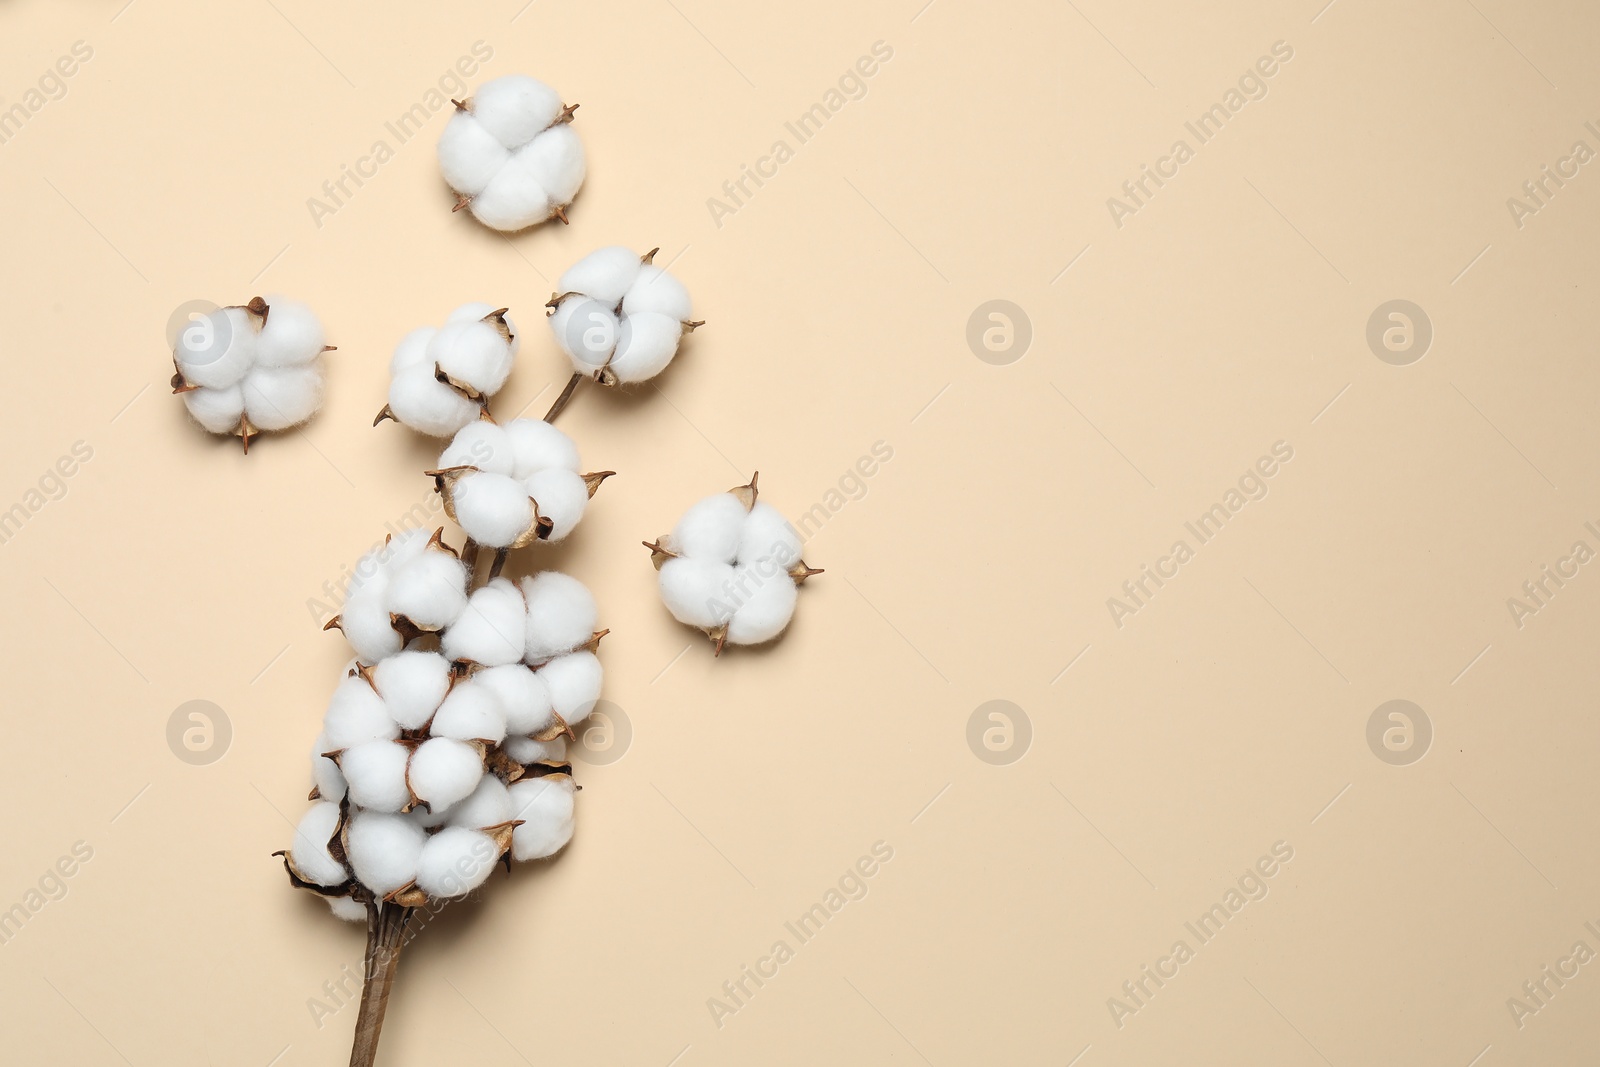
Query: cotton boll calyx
(618, 317)
(412, 685)
(309, 855)
(455, 861)
(376, 774)
(445, 770)
(560, 497)
(510, 155)
(731, 567)
(492, 629)
(544, 805)
(470, 713)
(561, 614)
(385, 850)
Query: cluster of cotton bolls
(731, 567)
(441, 378)
(511, 155)
(439, 758)
(507, 486)
(619, 317)
(244, 369)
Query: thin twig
(500, 555)
(566, 395)
(386, 927)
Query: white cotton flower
(440, 380)
(470, 713)
(523, 695)
(455, 861)
(351, 911)
(492, 628)
(527, 750)
(509, 486)
(412, 685)
(574, 681)
(385, 850)
(489, 805)
(561, 615)
(376, 775)
(356, 714)
(242, 370)
(731, 567)
(309, 852)
(430, 590)
(545, 806)
(511, 155)
(444, 770)
(492, 509)
(326, 777)
(619, 317)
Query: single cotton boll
(710, 530)
(217, 410)
(469, 155)
(376, 773)
(527, 750)
(574, 681)
(412, 350)
(522, 694)
(276, 398)
(325, 773)
(310, 849)
(561, 614)
(471, 712)
(292, 334)
(473, 353)
(455, 861)
(768, 535)
(587, 331)
(430, 590)
(355, 715)
(536, 445)
(489, 805)
(480, 444)
(217, 349)
(561, 495)
(444, 770)
(555, 159)
(515, 107)
(412, 685)
(696, 591)
(384, 849)
(545, 805)
(366, 625)
(657, 291)
(352, 911)
(605, 275)
(427, 405)
(767, 598)
(492, 509)
(646, 344)
(492, 629)
(514, 200)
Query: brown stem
(386, 927)
(469, 556)
(499, 563)
(566, 395)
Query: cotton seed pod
(456, 860)
(309, 857)
(347, 908)
(380, 614)
(249, 368)
(327, 781)
(619, 317)
(562, 615)
(376, 775)
(545, 806)
(574, 681)
(491, 631)
(412, 685)
(441, 380)
(730, 567)
(510, 154)
(384, 850)
(355, 715)
(429, 591)
(444, 770)
(489, 805)
(471, 712)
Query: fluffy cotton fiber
(545, 806)
(440, 379)
(499, 482)
(618, 317)
(511, 155)
(258, 367)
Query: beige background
(1166, 755)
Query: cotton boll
(527, 750)
(310, 849)
(291, 336)
(217, 410)
(489, 805)
(696, 591)
(428, 820)
(574, 681)
(412, 350)
(513, 108)
(325, 773)
(471, 712)
(444, 770)
(536, 445)
(412, 685)
(561, 495)
(366, 625)
(472, 352)
(384, 850)
(522, 694)
(404, 546)
(355, 715)
(216, 349)
(352, 911)
(430, 590)
(513, 200)
(555, 159)
(545, 805)
(646, 343)
(427, 405)
(493, 628)
(561, 614)
(767, 602)
(586, 330)
(605, 275)
(657, 291)
(479, 444)
(376, 774)
(766, 534)
(455, 861)
(276, 398)
(469, 155)
(710, 530)
(493, 509)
